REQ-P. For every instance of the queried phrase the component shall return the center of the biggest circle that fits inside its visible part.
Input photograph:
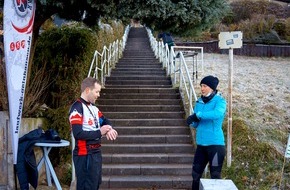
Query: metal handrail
(176, 66)
(107, 59)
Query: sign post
(230, 40)
(287, 155)
(287, 151)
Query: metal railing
(175, 63)
(104, 61)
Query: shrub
(258, 25)
(3, 88)
(280, 26)
(245, 9)
(65, 54)
(278, 10)
(287, 29)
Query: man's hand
(105, 129)
(112, 134)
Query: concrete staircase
(154, 148)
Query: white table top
(62, 143)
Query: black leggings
(214, 155)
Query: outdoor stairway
(154, 148)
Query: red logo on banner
(12, 46)
(23, 44)
(17, 45)
(25, 10)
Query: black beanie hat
(210, 81)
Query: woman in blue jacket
(207, 119)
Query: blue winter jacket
(211, 114)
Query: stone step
(148, 70)
(143, 96)
(147, 148)
(138, 58)
(148, 122)
(152, 138)
(140, 182)
(137, 46)
(139, 66)
(133, 63)
(138, 41)
(102, 101)
(144, 115)
(145, 77)
(150, 158)
(140, 61)
(138, 86)
(138, 90)
(138, 72)
(137, 53)
(137, 34)
(140, 108)
(157, 130)
(147, 169)
(139, 82)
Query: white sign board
(287, 152)
(230, 40)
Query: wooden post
(230, 40)
(229, 131)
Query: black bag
(51, 135)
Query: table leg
(40, 163)
(46, 150)
(50, 170)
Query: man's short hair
(89, 82)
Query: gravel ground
(261, 93)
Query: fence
(248, 49)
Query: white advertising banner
(18, 24)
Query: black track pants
(214, 155)
(88, 171)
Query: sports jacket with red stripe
(86, 120)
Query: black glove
(192, 118)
